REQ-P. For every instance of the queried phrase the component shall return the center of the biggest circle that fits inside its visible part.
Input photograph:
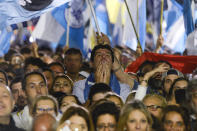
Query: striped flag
(138, 12)
(11, 11)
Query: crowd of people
(42, 90)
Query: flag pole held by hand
(94, 16)
(161, 17)
(138, 40)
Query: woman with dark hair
(177, 92)
(105, 115)
(62, 83)
(76, 118)
(176, 118)
(134, 116)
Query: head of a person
(134, 116)
(33, 64)
(98, 91)
(6, 101)
(175, 118)
(67, 101)
(17, 61)
(18, 92)
(57, 67)
(192, 95)
(78, 118)
(3, 77)
(45, 104)
(105, 116)
(178, 90)
(34, 84)
(158, 75)
(49, 75)
(155, 104)
(113, 97)
(102, 54)
(63, 83)
(73, 60)
(168, 79)
(44, 122)
(145, 67)
(26, 52)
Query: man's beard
(155, 84)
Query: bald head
(44, 122)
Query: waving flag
(12, 12)
(179, 23)
(5, 38)
(73, 18)
(138, 12)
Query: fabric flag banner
(48, 29)
(5, 38)
(11, 12)
(179, 23)
(188, 19)
(102, 17)
(138, 11)
(174, 33)
(185, 64)
(73, 15)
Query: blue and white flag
(102, 17)
(5, 38)
(179, 24)
(11, 11)
(129, 37)
(71, 17)
(48, 29)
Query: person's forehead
(102, 50)
(73, 56)
(171, 76)
(34, 76)
(152, 99)
(173, 115)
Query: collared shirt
(23, 119)
(79, 86)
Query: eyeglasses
(153, 107)
(110, 126)
(45, 110)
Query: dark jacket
(10, 127)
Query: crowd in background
(43, 90)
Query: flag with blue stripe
(179, 23)
(11, 12)
(102, 17)
(5, 38)
(72, 15)
(139, 18)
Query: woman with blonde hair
(134, 116)
(76, 118)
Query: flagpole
(138, 40)
(68, 28)
(94, 16)
(161, 17)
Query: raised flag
(138, 11)
(16, 11)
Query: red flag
(185, 64)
